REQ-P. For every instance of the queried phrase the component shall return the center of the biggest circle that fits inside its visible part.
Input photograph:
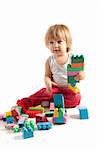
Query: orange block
(74, 65)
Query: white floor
(75, 134)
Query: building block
(51, 106)
(77, 59)
(70, 69)
(58, 100)
(56, 114)
(33, 113)
(75, 89)
(37, 108)
(9, 120)
(83, 112)
(74, 65)
(61, 112)
(27, 132)
(49, 113)
(16, 129)
(41, 118)
(44, 125)
(59, 120)
(8, 114)
(28, 124)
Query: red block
(32, 113)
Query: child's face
(58, 47)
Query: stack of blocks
(59, 110)
(28, 129)
(77, 65)
(9, 118)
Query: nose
(55, 44)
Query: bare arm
(47, 77)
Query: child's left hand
(80, 76)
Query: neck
(61, 60)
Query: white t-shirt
(59, 72)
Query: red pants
(71, 99)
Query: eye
(60, 41)
(51, 42)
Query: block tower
(77, 65)
(59, 110)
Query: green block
(37, 108)
(28, 124)
(71, 79)
(77, 59)
(61, 112)
(69, 69)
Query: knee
(73, 101)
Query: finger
(54, 83)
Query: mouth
(56, 50)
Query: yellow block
(75, 89)
(56, 114)
(8, 114)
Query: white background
(23, 24)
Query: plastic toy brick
(49, 113)
(59, 120)
(77, 59)
(33, 113)
(56, 114)
(58, 101)
(28, 124)
(70, 69)
(9, 120)
(75, 89)
(44, 125)
(37, 108)
(41, 118)
(72, 73)
(27, 132)
(51, 106)
(83, 112)
(72, 81)
(16, 129)
(61, 112)
(75, 65)
(8, 114)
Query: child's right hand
(49, 86)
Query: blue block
(27, 132)
(58, 120)
(58, 101)
(44, 125)
(9, 120)
(83, 113)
